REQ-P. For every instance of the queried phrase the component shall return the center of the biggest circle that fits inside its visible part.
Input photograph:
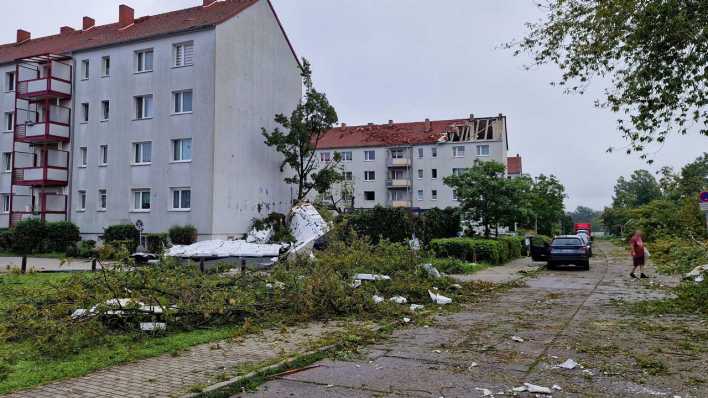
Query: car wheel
(586, 266)
(550, 265)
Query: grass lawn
(456, 266)
(32, 369)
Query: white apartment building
(156, 118)
(404, 164)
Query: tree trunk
(23, 269)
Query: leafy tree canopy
(640, 189)
(654, 53)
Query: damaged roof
(391, 134)
(513, 165)
(188, 19)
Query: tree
(583, 214)
(546, 205)
(485, 195)
(694, 178)
(333, 191)
(653, 52)
(640, 189)
(28, 236)
(298, 139)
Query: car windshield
(566, 242)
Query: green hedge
(493, 251)
(183, 234)
(121, 232)
(156, 243)
(62, 235)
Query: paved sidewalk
(44, 264)
(500, 273)
(173, 376)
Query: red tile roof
(189, 19)
(410, 133)
(513, 165)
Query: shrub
(129, 245)
(281, 232)
(87, 248)
(183, 234)
(6, 240)
(379, 223)
(470, 249)
(156, 243)
(121, 232)
(61, 235)
(456, 266)
(437, 223)
(28, 236)
(514, 246)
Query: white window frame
(369, 156)
(83, 156)
(420, 174)
(346, 156)
(419, 195)
(397, 154)
(421, 153)
(7, 162)
(434, 174)
(454, 195)
(178, 149)
(9, 121)
(348, 174)
(370, 200)
(134, 198)
(142, 111)
(85, 69)
(433, 152)
(10, 82)
(105, 66)
(85, 112)
(5, 203)
(82, 200)
(141, 64)
(180, 56)
(480, 152)
(138, 157)
(458, 151)
(105, 110)
(325, 156)
(180, 191)
(434, 194)
(178, 102)
(369, 173)
(102, 204)
(103, 155)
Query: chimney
(88, 23)
(390, 122)
(344, 125)
(207, 3)
(427, 124)
(66, 29)
(501, 114)
(126, 16)
(471, 117)
(22, 35)
(371, 124)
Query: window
(420, 174)
(458, 151)
(7, 162)
(434, 152)
(81, 203)
(434, 194)
(85, 69)
(454, 195)
(105, 110)
(346, 156)
(106, 66)
(182, 150)
(458, 172)
(143, 107)
(369, 175)
(369, 195)
(103, 155)
(143, 61)
(369, 156)
(102, 199)
(434, 173)
(482, 150)
(347, 176)
(183, 54)
(182, 101)
(83, 156)
(141, 199)
(420, 153)
(84, 112)
(419, 194)
(6, 203)
(9, 122)
(397, 154)
(325, 156)
(10, 81)
(181, 198)
(142, 152)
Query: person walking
(638, 254)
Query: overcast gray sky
(410, 59)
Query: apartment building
(155, 118)
(404, 164)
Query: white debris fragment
(260, 237)
(406, 319)
(356, 283)
(371, 277)
(431, 270)
(456, 286)
(152, 326)
(587, 372)
(697, 273)
(439, 298)
(378, 299)
(517, 339)
(485, 392)
(218, 248)
(556, 387)
(519, 389)
(80, 313)
(416, 307)
(532, 388)
(398, 299)
(472, 365)
(568, 364)
(437, 351)
(306, 226)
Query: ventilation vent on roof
(22, 36)
(88, 23)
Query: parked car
(588, 240)
(569, 249)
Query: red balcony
(43, 168)
(42, 123)
(43, 206)
(43, 78)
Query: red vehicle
(584, 226)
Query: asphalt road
(558, 315)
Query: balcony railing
(398, 183)
(44, 206)
(44, 80)
(45, 168)
(42, 123)
(398, 162)
(399, 203)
